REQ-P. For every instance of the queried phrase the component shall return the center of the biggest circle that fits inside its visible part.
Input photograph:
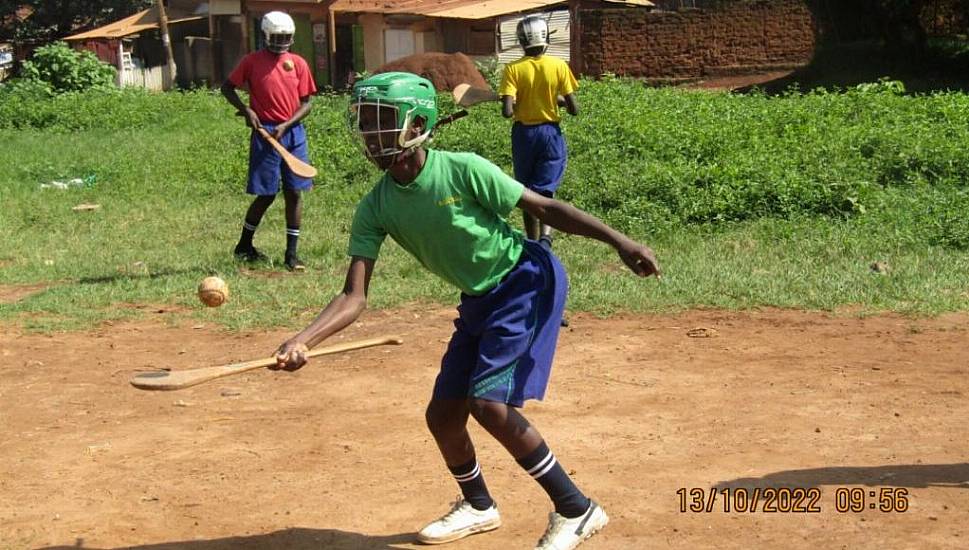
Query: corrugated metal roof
(459, 9)
(642, 3)
(133, 24)
(493, 8)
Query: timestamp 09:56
(786, 500)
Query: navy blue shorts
(266, 167)
(504, 340)
(539, 155)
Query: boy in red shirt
(280, 85)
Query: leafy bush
(67, 70)
(490, 70)
(644, 159)
(31, 105)
(948, 223)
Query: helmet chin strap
(409, 144)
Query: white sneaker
(461, 521)
(565, 534)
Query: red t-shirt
(275, 82)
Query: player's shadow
(125, 274)
(902, 475)
(296, 538)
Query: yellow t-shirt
(535, 82)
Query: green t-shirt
(451, 218)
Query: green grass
(749, 201)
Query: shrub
(67, 70)
(491, 70)
(639, 157)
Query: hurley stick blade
(467, 95)
(295, 165)
(176, 380)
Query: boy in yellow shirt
(532, 90)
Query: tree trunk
(168, 78)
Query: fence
(150, 78)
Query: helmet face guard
(279, 43)
(384, 109)
(377, 126)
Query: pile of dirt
(445, 70)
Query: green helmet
(410, 95)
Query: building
(361, 35)
(337, 37)
(671, 40)
(133, 45)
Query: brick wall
(734, 37)
(945, 17)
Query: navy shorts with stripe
(539, 155)
(504, 341)
(266, 166)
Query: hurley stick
(466, 95)
(295, 165)
(176, 380)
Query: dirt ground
(337, 455)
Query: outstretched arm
(567, 218)
(342, 310)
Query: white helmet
(278, 28)
(532, 32)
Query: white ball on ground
(213, 291)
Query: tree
(53, 19)
(901, 24)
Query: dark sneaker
(250, 255)
(293, 263)
(564, 322)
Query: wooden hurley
(176, 380)
(295, 165)
(466, 95)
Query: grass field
(748, 200)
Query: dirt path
(337, 456)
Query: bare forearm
(570, 104)
(303, 110)
(507, 106)
(340, 313)
(567, 218)
(229, 92)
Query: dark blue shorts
(266, 167)
(539, 155)
(504, 341)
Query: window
(398, 43)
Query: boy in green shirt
(448, 210)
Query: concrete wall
(373, 39)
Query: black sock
(472, 484)
(541, 465)
(292, 240)
(245, 240)
(546, 241)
